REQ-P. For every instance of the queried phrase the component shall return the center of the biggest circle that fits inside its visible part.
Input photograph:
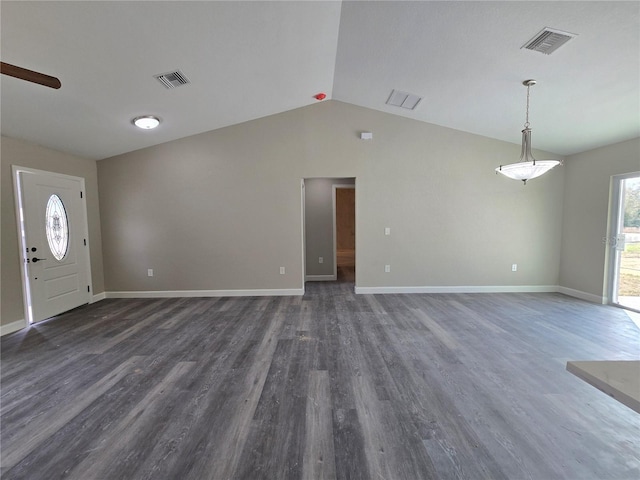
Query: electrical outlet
(387, 268)
(281, 270)
(320, 260)
(514, 267)
(387, 231)
(150, 272)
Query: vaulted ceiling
(247, 60)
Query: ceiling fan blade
(29, 75)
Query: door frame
(615, 213)
(335, 187)
(17, 171)
(304, 233)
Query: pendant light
(528, 167)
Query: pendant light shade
(528, 167)
(527, 170)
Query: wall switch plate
(387, 268)
(150, 272)
(281, 270)
(387, 231)
(514, 267)
(320, 259)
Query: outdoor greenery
(630, 271)
(632, 205)
(629, 280)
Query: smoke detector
(548, 40)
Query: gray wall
(17, 152)
(222, 210)
(586, 211)
(319, 225)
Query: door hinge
(81, 194)
(88, 289)
(85, 242)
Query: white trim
(589, 297)
(461, 289)
(613, 221)
(303, 220)
(208, 293)
(26, 300)
(359, 290)
(85, 213)
(12, 327)
(334, 229)
(320, 278)
(98, 297)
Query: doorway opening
(329, 229)
(624, 240)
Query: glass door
(625, 240)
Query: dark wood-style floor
(329, 385)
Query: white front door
(54, 242)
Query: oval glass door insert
(57, 227)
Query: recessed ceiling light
(146, 122)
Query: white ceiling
(247, 60)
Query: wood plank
(113, 456)
(319, 457)
(35, 429)
(223, 460)
(329, 385)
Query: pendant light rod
(525, 154)
(528, 167)
(528, 83)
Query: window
(57, 227)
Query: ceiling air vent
(172, 79)
(404, 100)
(548, 40)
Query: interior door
(344, 211)
(54, 242)
(346, 224)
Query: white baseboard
(487, 289)
(320, 278)
(208, 293)
(98, 297)
(589, 297)
(12, 327)
(461, 289)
